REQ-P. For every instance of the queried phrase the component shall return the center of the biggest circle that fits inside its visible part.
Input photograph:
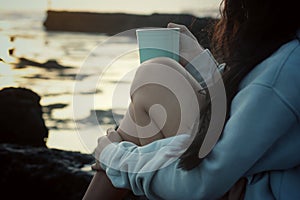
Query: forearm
(161, 178)
(157, 175)
(149, 172)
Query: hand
(189, 46)
(111, 137)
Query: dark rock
(49, 65)
(101, 117)
(49, 108)
(12, 38)
(41, 173)
(113, 23)
(53, 64)
(53, 122)
(21, 120)
(11, 51)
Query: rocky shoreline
(29, 170)
(40, 173)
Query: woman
(174, 89)
(258, 41)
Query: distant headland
(113, 23)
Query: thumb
(183, 29)
(173, 25)
(96, 166)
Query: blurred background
(43, 45)
(47, 61)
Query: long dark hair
(248, 32)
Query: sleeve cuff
(105, 155)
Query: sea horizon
(114, 6)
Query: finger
(100, 138)
(114, 137)
(96, 153)
(93, 166)
(110, 130)
(173, 25)
(96, 166)
(103, 141)
(183, 29)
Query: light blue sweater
(261, 141)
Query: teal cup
(158, 42)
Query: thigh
(137, 125)
(177, 67)
(172, 113)
(156, 111)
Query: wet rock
(49, 108)
(101, 117)
(21, 120)
(41, 173)
(49, 65)
(11, 51)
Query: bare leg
(147, 95)
(101, 188)
(142, 100)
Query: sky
(137, 6)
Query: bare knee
(155, 66)
(160, 105)
(163, 61)
(146, 95)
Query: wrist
(106, 154)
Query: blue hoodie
(260, 141)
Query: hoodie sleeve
(259, 117)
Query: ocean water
(71, 97)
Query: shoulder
(286, 81)
(286, 63)
(282, 62)
(281, 74)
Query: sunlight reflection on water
(23, 34)
(56, 86)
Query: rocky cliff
(113, 23)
